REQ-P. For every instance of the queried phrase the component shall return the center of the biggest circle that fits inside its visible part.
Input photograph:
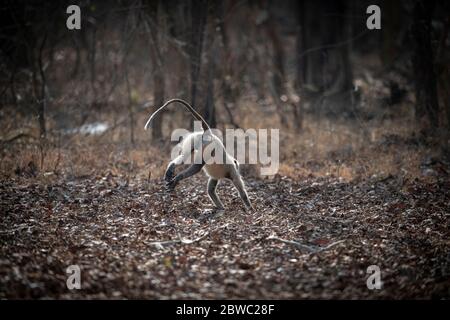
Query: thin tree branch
(160, 244)
(311, 250)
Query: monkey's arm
(170, 171)
(193, 169)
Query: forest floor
(307, 238)
(342, 201)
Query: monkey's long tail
(187, 105)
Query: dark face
(236, 164)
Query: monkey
(195, 142)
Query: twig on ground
(291, 242)
(299, 245)
(160, 244)
(327, 247)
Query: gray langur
(194, 143)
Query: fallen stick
(159, 244)
(291, 242)
(327, 247)
(311, 250)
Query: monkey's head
(236, 164)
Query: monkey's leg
(212, 185)
(239, 184)
(193, 169)
(170, 171)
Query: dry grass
(347, 150)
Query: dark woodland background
(364, 119)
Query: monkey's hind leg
(239, 184)
(212, 185)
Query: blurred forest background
(355, 108)
(338, 91)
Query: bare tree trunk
(347, 81)
(158, 72)
(276, 83)
(278, 75)
(212, 43)
(41, 94)
(210, 110)
(444, 76)
(226, 68)
(302, 64)
(76, 66)
(390, 30)
(198, 13)
(423, 62)
(130, 106)
(301, 58)
(159, 92)
(92, 67)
